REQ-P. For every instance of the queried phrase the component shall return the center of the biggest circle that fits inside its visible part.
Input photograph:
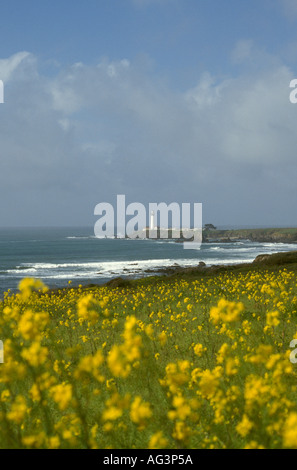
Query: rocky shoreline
(275, 259)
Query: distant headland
(211, 235)
(266, 235)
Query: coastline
(264, 261)
(77, 256)
(261, 235)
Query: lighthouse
(152, 220)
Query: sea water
(59, 255)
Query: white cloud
(207, 93)
(8, 66)
(87, 134)
(258, 123)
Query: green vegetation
(285, 235)
(199, 359)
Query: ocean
(58, 255)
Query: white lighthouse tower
(152, 220)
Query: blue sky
(161, 100)
(180, 38)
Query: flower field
(181, 363)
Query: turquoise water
(57, 255)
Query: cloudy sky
(160, 100)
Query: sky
(159, 100)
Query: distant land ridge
(268, 235)
(273, 235)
